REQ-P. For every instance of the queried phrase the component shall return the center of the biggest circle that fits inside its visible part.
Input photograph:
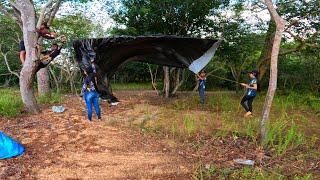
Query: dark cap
(254, 72)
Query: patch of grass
(132, 86)
(174, 128)
(189, 124)
(251, 128)
(282, 136)
(246, 172)
(54, 97)
(304, 177)
(10, 103)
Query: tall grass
(282, 136)
(10, 103)
(54, 97)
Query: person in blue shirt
(91, 96)
(202, 85)
(251, 93)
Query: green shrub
(10, 103)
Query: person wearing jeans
(202, 85)
(91, 97)
(251, 93)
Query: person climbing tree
(45, 33)
(47, 56)
(251, 92)
(202, 85)
(22, 52)
(91, 96)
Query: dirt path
(66, 145)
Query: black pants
(249, 100)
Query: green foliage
(10, 34)
(174, 128)
(282, 136)
(10, 103)
(210, 172)
(131, 86)
(305, 177)
(55, 97)
(189, 124)
(171, 17)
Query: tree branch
(7, 64)
(42, 13)
(54, 11)
(15, 16)
(13, 4)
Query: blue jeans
(92, 97)
(201, 94)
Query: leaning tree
(25, 14)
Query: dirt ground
(66, 146)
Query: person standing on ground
(251, 93)
(202, 85)
(90, 96)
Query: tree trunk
(179, 81)
(43, 81)
(166, 81)
(264, 60)
(55, 79)
(28, 71)
(280, 24)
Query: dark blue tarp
(9, 147)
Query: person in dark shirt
(251, 92)
(48, 55)
(91, 96)
(22, 52)
(202, 85)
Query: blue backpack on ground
(9, 147)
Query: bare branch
(15, 16)
(7, 64)
(42, 13)
(54, 11)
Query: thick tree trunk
(28, 71)
(43, 81)
(166, 81)
(280, 24)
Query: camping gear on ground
(9, 147)
(58, 109)
(244, 161)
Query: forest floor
(66, 146)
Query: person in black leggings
(251, 93)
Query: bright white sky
(96, 11)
